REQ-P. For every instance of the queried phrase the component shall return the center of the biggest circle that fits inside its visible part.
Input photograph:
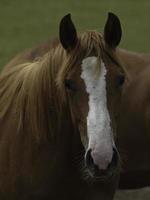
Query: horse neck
(38, 104)
(133, 62)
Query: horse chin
(99, 176)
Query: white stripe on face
(98, 119)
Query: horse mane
(34, 94)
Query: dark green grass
(24, 23)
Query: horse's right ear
(67, 33)
(112, 31)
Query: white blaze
(98, 119)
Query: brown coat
(133, 137)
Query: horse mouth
(99, 174)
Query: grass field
(25, 23)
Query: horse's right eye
(70, 84)
(120, 80)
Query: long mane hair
(34, 92)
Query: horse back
(32, 54)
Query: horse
(133, 134)
(58, 107)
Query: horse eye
(70, 84)
(120, 80)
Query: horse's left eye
(70, 84)
(120, 80)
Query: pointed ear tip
(110, 14)
(68, 16)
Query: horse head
(92, 79)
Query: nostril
(90, 162)
(114, 161)
(88, 159)
(94, 170)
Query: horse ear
(67, 33)
(112, 31)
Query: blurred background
(24, 23)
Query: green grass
(24, 23)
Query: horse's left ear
(67, 33)
(112, 31)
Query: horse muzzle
(96, 172)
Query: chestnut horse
(133, 134)
(58, 108)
